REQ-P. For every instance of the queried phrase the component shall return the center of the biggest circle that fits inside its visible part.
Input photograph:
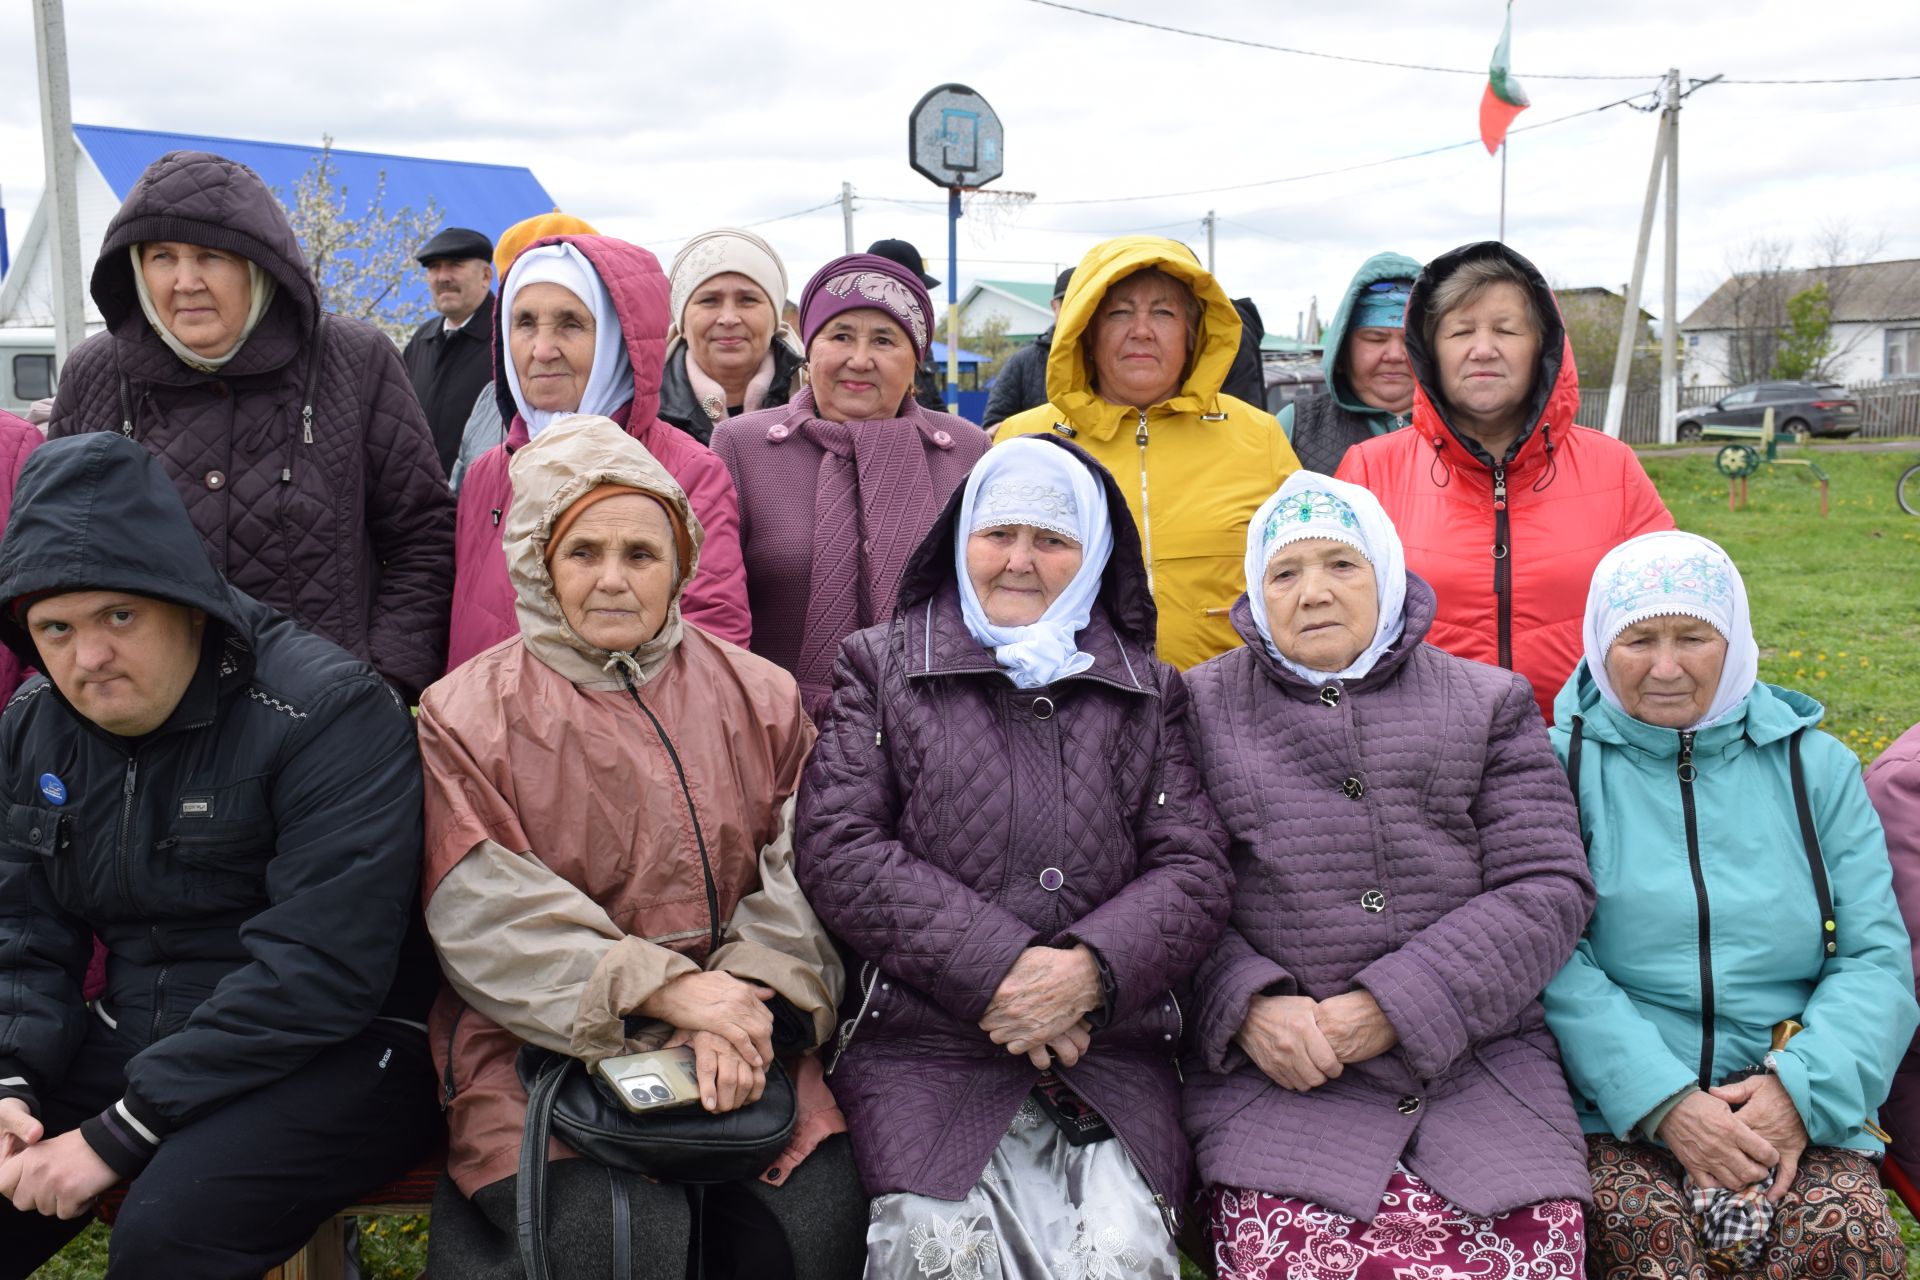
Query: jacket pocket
(218, 844)
(36, 829)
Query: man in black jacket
(450, 357)
(1022, 384)
(232, 805)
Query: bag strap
(1810, 840)
(530, 1191)
(1573, 761)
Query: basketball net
(987, 211)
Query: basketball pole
(953, 300)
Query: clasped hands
(726, 1022)
(1040, 1008)
(1729, 1136)
(60, 1177)
(1301, 1043)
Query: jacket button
(1373, 901)
(34, 834)
(1353, 788)
(942, 439)
(216, 479)
(1051, 879)
(777, 433)
(773, 1175)
(1407, 1105)
(1043, 708)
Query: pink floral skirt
(1416, 1235)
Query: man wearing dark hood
(233, 806)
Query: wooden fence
(1886, 409)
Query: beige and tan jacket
(564, 877)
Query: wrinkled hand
(1283, 1037)
(18, 1129)
(1716, 1146)
(722, 1005)
(60, 1177)
(1354, 1026)
(1767, 1108)
(1066, 1049)
(727, 1080)
(1046, 992)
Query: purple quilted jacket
(949, 820)
(1409, 833)
(346, 529)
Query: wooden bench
(324, 1256)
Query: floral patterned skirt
(1833, 1222)
(1416, 1235)
(1043, 1210)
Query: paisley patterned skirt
(1416, 1235)
(1834, 1221)
(1043, 1210)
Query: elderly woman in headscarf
(291, 433)
(583, 323)
(1744, 894)
(609, 869)
(1379, 1082)
(837, 488)
(1002, 824)
(728, 352)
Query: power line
(1312, 53)
(779, 217)
(1842, 80)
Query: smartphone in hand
(658, 1080)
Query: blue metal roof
(489, 198)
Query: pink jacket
(18, 438)
(1893, 783)
(716, 600)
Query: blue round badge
(53, 789)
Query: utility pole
(1630, 315)
(846, 211)
(1670, 305)
(56, 137)
(1209, 220)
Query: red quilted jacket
(1570, 495)
(949, 820)
(716, 599)
(345, 526)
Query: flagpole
(1503, 191)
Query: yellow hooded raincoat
(1194, 467)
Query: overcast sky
(655, 120)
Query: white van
(26, 368)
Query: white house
(1876, 320)
(1027, 307)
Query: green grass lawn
(1836, 607)
(1836, 602)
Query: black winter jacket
(1022, 383)
(447, 371)
(251, 865)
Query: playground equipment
(1738, 460)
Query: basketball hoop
(954, 140)
(990, 211)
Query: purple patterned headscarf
(868, 280)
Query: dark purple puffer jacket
(356, 541)
(1409, 833)
(940, 805)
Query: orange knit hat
(525, 232)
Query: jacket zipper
(1168, 1218)
(699, 840)
(1146, 525)
(446, 1079)
(1503, 566)
(126, 830)
(1687, 773)
(869, 983)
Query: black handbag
(687, 1145)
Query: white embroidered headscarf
(610, 382)
(1034, 483)
(1310, 505)
(1672, 574)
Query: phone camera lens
(661, 1093)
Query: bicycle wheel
(1907, 491)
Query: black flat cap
(906, 255)
(1061, 281)
(455, 242)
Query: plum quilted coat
(1409, 833)
(345, 524)
(949, 820)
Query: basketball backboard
(954, 138)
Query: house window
(32, 377)
(1903, 353)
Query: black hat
(1060, 283)
(906, 255)
(455, 242)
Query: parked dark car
(1802, 408)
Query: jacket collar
(1420, 608)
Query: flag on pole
(1504, 98)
